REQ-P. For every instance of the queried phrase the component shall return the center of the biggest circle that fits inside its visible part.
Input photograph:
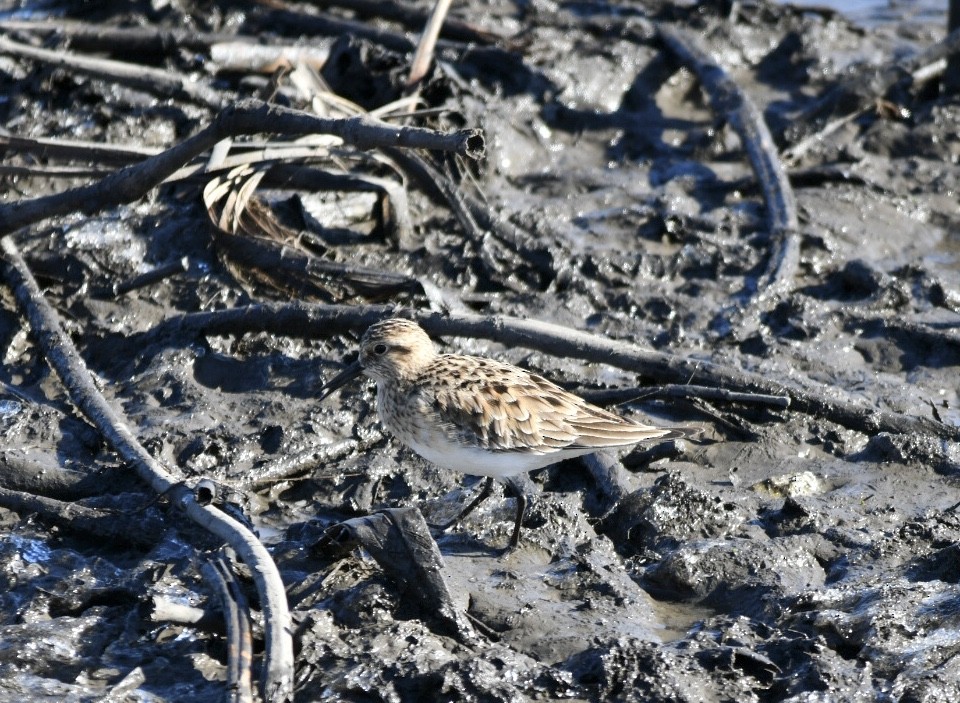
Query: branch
(243, 118)
(324, 321)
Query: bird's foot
(470, 507)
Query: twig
(428, 41)
(260, 58)
(243, 118)
(324, 321)
(616, 396)
(153, 80)
(50, 148)
(237, 617)
(163, 608)
(795, 152)
(288, 466)
(147, 278)
(58, 348)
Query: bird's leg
(517, 487)
(471, 506)
(521, 509)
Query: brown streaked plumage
(481, 416)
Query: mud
(778, 557)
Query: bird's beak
(341, 379)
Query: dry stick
(153, 80)
(58, 349)
(792, 154)
(324, 321)
(727, 98)
(122, 39)
(242, 56)
(287, 466)
(163, 609)
(626, 395)
(148, 278)
(243, 118)
(428, 42)
(50, 148)
(237, 617)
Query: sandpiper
(481, 416)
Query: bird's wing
(501, 407)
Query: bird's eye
(380, 349)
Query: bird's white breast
(479, 462)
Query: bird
(481, 416)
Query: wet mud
(783, 554)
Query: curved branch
(58, 349)
(727, 98)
